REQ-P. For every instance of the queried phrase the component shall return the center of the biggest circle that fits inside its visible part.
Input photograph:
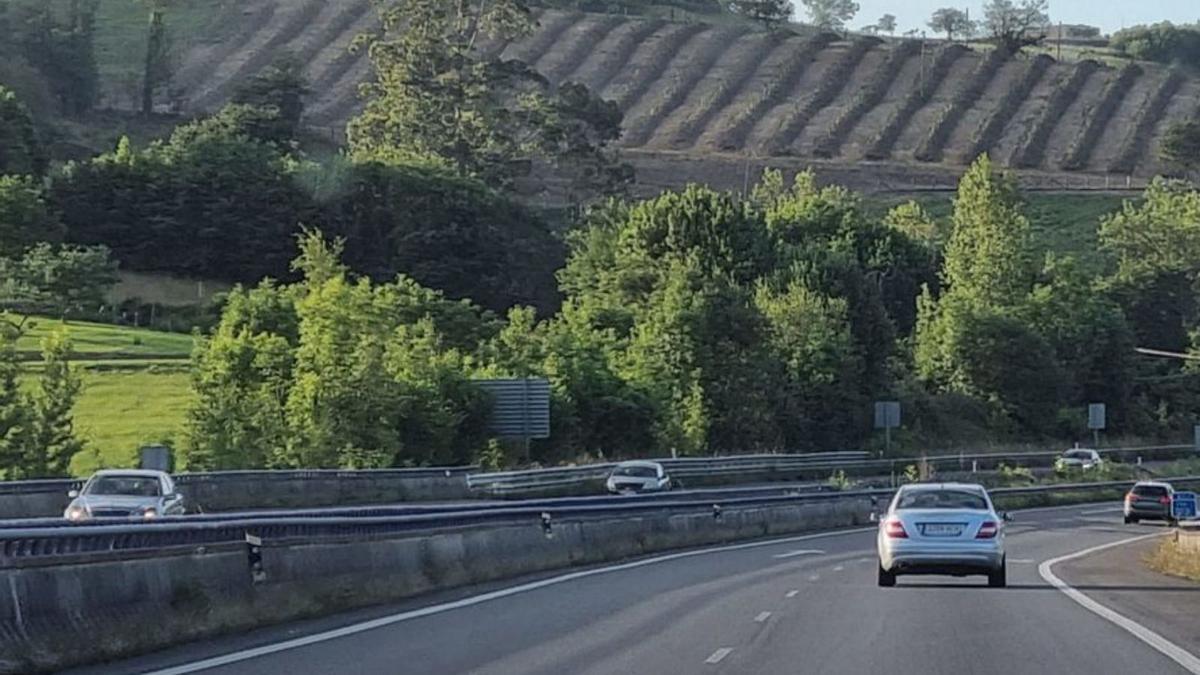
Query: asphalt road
(806, 605)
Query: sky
(1109, 15)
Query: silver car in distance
(942, 528)
(125, 493)
(638, 476)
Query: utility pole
(1060, 39)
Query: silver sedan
(638, 476)
(128, 493)
(943, 528)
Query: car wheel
(886, 579)
(1132, 520)
(1128, 520)
(999, 578)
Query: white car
(638, 476)
(942, 528)
(1079, 458)
(125, 493)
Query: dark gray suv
(1149, 501)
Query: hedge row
(930, 149)
(733, 136)
(1029, 154)
(1148, 117)
(869, 96)
(885, 140)
(733, 82)
(832, 83)
(1085, 141)
(988, 134)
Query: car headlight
(149, 512)
(76, 513)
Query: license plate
(941, 530)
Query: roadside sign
(1183, 506)
(521, 407)
(1096, 416)
(887, 414)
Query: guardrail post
(546, 524)
(717, 515)
(254, 557)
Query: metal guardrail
(516, 481)
(18, 545)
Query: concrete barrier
(108, 605)
(241, 490)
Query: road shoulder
(1119, 579)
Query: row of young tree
(702, 322)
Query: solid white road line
(762, 616)
(354, 629)
(718, 655)
(803, 551)
(1169, 649)
(791, 594)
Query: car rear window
(1150, 491)
(1079, 454)
(636, 471)
(942, 499)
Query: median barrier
(74, 602)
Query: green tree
(769, 13)
(1014, 24)
(57, 279)
(16, 424)
(1162, 42)
(21, 151)
(53, 441)
(987, 259)
(886, 24)
(157, 67)
(1181, 145)
(277, 93)
(25, 218)
(830, 14)
(436, 98)
(1158, 233)
(951, 21)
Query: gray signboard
(520, 407)
(887, 414)
(1096, 415)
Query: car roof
(140, 473)
(1079, 450)
(1153, 483)
(975, 487)
(642, 463)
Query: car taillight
(1130, 497)
(895, 529)
(1164, 500)
(987, 530)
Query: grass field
(121, 411)
(1061, 223)
(96, 339)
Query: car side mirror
(1006, 517)
(72, 493)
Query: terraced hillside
(703, 90)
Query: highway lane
(804, 605)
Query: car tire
(1133, 520)
(999, 578)
(1128, 520)
(886, 579)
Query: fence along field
(694, 88)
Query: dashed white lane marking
(803, 551)
(1169, 649)
(863, 561)
(792, 593)
(354, 629)
(814, 577)
(839, 568)
(762, 616)
(1021, 561)
(718, 655)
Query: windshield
(942, 499)
(636, 471)
(1078, 454)
(127, 486)
(1150, 491)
